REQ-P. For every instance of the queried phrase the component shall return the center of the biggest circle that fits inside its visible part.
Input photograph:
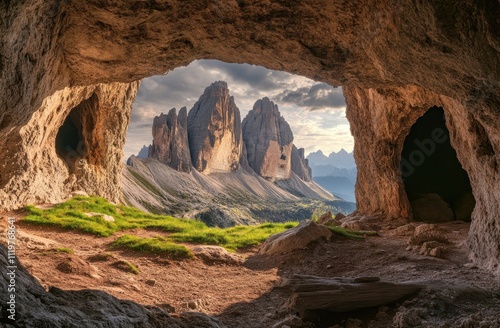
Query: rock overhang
(394, 60)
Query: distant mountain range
(335, 172)
(341, 160)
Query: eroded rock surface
(300, 165)
(295, 238)
(170, 140)
(214, 127)
(395, 61)
(268, 141)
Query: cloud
(315, 111)
(319, 96)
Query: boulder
(295, 238)
(427, 233)
(431, 208)
(328, 220)
(214, 131)
(216, 254)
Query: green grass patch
(232, 238)
(351, 233)
(64, 250)
(153, 245)
(126, 266)
(71, 215)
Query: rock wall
(170, 140)
(380, 121)
(268, 141)
(300, 165)
(34, 169)
(214, 129)
(54, 54)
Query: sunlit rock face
(395, 60)
(381, 119)
(170, 140)
(268, 141)
(214, 129)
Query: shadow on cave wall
(437, 186)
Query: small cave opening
(76, 128)
(437, 186)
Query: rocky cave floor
(243, 295)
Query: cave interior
(436, 184)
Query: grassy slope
(71, 215)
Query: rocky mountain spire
(214, 128)
(300, 165)
(170, 140)
(268, 141)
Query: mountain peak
(214, 128)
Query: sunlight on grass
(71, 215)
(232, 238)
(153, 245)
(351, 233)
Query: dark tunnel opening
(437, 186)
(72, 136)
(68, 137)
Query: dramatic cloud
(314, 110)
(317, 97)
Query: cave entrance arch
(76, 132)
(437, 186)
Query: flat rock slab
(295, 238)
(310, 293)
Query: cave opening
(76, 129)
(437, 186)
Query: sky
(314, 110)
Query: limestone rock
(295, 238)
(404, 230)
(328, 220)
(106, 217)
(268, 141)
(216, 254)
(427, 233)
(300, 165)
(325, 217)
(214, 128)
(432, 209)
(170, 140)
(311, 293)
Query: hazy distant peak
(340, 159)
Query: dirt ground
(243, 296)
